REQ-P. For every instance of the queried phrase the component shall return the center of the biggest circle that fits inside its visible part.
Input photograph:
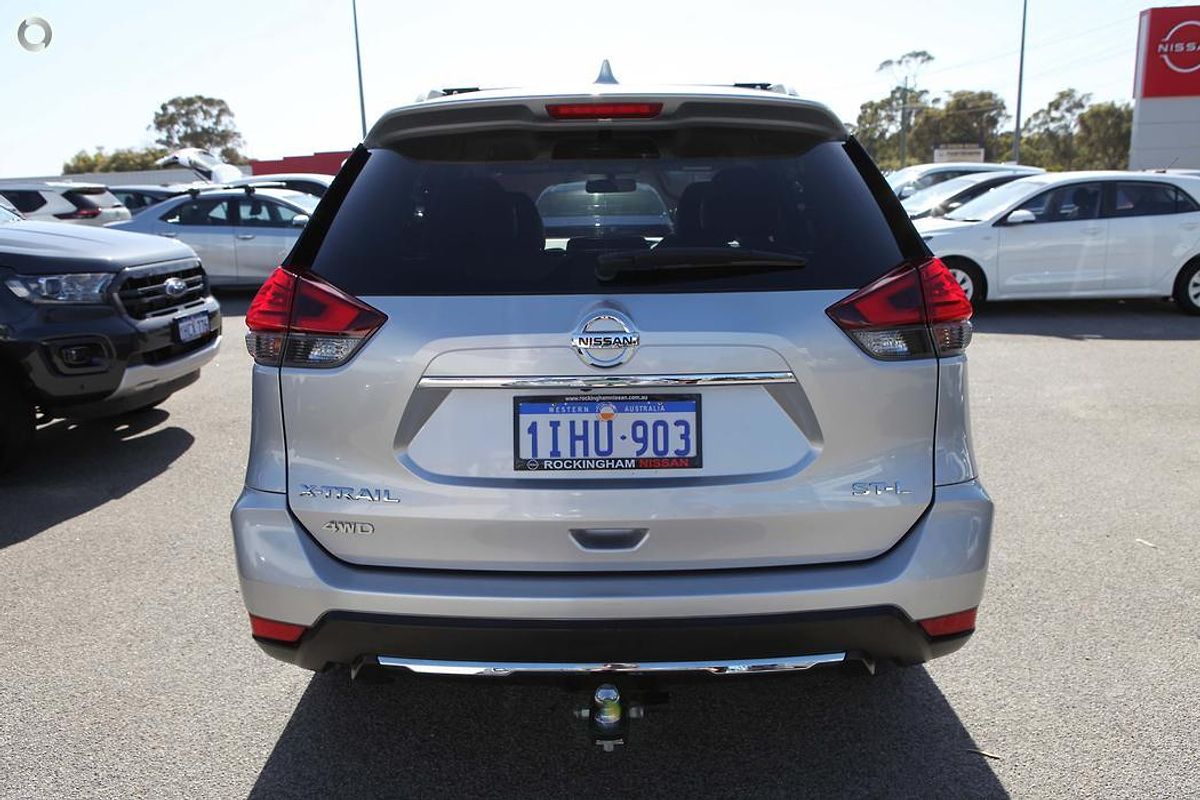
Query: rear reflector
(299, 320)
(950, 624)
(276, 631)
(604, 110)
(917, 310)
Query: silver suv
(739, 443)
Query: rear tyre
(1187, 289)
(970, 278)
(16, 426)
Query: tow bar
(609, 716)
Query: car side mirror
(1022, 216)
(905, 192)
(300, 220)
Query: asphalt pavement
(127, 669)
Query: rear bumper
(864, 608)
(718, 645)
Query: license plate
(606, 432)
(192, 327)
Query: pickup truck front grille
(143, 294)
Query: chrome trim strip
(739, 667)
(606, 381)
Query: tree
(905, 68)
(198, 121)
(1048, 138)
(124, 159)
(966, 117)
(878, 125)
(1103, 136)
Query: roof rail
(777, 88)
(446, 92)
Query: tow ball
(608, 716)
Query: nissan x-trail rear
(717, 422)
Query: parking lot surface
(128, 670)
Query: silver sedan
(240, 235)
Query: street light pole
(362, 106)
(1016, 151)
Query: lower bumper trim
(739, 667)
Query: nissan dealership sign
(1166, 114)
(1169, 53)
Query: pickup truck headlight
(79, 287)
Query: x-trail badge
(606, 339)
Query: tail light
(604, 110)
(917, 310)
(285, 632)
(299, 320)
(950, 624)
(79, 213)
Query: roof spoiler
(768, 109)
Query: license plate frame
(648, 461)
(192, 327)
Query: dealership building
(1166, 90)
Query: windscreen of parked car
(997, 200)
(306, 201)
(460, 214)
(7, 215)
(928, 199)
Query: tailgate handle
(608, 539)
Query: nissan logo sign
(605, 339)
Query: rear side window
(535, 212)
(199, 212)
(1185, 203)
(1129, 199)
(25, 200)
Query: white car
(313, 183)
(65, 201)
(1076, 234)
(910, 180)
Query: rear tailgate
(780, 461)
(781, 441)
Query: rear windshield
(535, 213)
(92, 197)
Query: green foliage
(198, 121)
(124, 159)
(966, 118)
(1048, 137)
(1069, 133)
(1103, 136)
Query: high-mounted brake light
(79, 213)
(917, 310)
(299, 320)
(604, 110)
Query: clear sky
(287, 68)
